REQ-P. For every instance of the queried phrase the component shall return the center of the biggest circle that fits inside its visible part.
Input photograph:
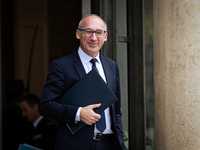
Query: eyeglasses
(89, 32)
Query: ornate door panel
(27, 14)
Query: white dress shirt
(85, 59)
(36, 122)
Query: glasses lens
(88, 32)
(99, 33)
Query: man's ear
(78, 34)
(106, 37)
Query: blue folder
(91, 89)
(27, 147)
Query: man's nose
(93, 36)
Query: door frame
(136, 74)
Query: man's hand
(87, 114)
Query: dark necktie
(101, 124)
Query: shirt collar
(85, 57)
(36, 122)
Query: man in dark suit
(64, 73)
(42, 133)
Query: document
(91, 89)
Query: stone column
(177, 74)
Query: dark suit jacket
(14, 126)
(43, 136)
(63, 74)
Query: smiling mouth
(92, 44)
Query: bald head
(80, 25)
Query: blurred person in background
(14, 125)
(42, 134)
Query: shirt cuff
(78, 115)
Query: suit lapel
(107, 72)
(108, 75)
(78, 65)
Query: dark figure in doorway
(42, 133)
(14, 125)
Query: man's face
(30, 113)
(92, 44)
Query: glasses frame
(93, 32)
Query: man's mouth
(92, 43)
